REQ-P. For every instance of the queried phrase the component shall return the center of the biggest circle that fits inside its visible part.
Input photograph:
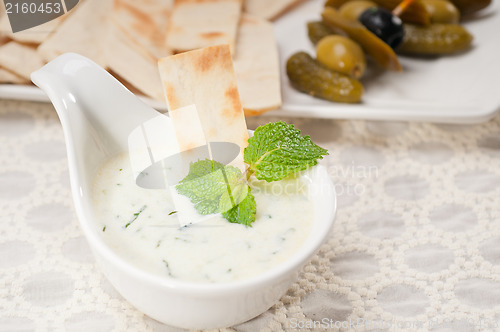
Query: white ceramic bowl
(97, 114)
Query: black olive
(384, 25)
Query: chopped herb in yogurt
(136, 215)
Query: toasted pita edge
(251, 112)
(287, 5)
(6, 76)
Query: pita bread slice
(145, 22)
(5, 28)
(2, 16)
(200, 23)
(256, 65)
(9, 77)
(84, 32)
(269, 10)
(205, 78)
(139, 68)
(4, 39)
(187, 117)
(35, 35)
(20, 59)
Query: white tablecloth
(415, 246)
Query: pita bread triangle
(205, 78)
(200, 23)
(83, 32)
(256, 65)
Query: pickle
(414, 13)
(335, 3)
(470, 6)
(435, 39)
(316, 30)
(382, 53)
(309, 76)
(353, 9)
(442, 11)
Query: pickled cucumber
(382, 53)
(435, 39)
(309, 76)
(317, 30)
(353, 9)
(467, 7)
(441, 11)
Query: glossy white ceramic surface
(97, 114)
(458, 88)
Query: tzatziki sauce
(141, 226)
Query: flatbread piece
(20, 59)
(145, 22)
(200, 23)
(35, 35)
(84, 32)
(269, 9)
(137, 66)
(256, 65)
(9, 77)
(205, 78)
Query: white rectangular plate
(461, 88)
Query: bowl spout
(76, 84)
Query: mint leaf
(206, 182)
(232, 197)
(278, 149)
(244, 212)
(207, 179)
(213, 187)
(201, 168)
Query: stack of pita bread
(127, 37)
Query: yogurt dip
(140, 225)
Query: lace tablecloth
(415, 246)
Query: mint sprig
(213, 187)
(276, 151)
(244, 212)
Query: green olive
(441, 11)
(341, 54)
(353, 9)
